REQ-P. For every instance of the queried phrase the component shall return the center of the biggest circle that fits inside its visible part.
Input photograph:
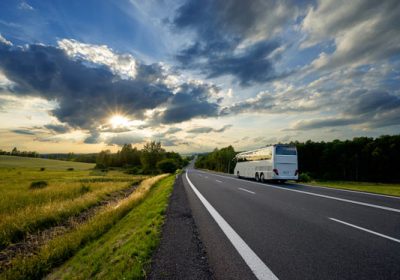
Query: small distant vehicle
(277, 162)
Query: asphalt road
(268, 231)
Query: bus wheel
(257, 178)
(262, 180)
(238, 174)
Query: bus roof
(260, 151)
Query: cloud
(371, 109)
(23, 131)
(190, 101)
(233, 37)
(23, 5)
(58, 128)
(5, 41)
(206, 129)
(122, 64)
(125, 138)
(363, 31)
(88, 88)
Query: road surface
(269, 231)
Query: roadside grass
(24, 209)
(59, 249)
(379, 188)
(125, 251)
(47, 164)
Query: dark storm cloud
(191, 101)
(221, 26)
(87, 94)
(207, 129)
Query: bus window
(285, 150)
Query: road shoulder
(181, 254)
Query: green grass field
(33, 163)
(67, 193)
(379, 188)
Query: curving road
(268, 231)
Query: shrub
(167, 166)
(42, 169)
(84, 189)
(305, 177)
(134, 170)
(38, 184)
(70, 169)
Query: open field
(25, 162)
(379, 188)
(43, 226)
(24, 210)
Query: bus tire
(262, 180)
(256, 177)
(238, 174)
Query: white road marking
(246, 190)
(344, 190)
(257, 266)
(218, 181)
(321, 195)
(367, 230)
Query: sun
(118, 121)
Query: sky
(85, 76)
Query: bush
(84, 189)
(42, 169)
(70, 169)
(305, 177)
(38, 184)
(167, 166)
(134, 170)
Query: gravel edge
(181, 254)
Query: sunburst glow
(119, 121)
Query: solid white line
(218, 181)
(260, 270)
(321, 195)
(246, 190)
(344, 190)
(367, 230)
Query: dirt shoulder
(181, 254)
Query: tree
(152, 153)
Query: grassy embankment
(125, 251)
(379, 188)
(132, 239)
(24, 210)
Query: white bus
(277, 162)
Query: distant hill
(49, 164)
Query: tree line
(16, 152)
(359, 159)
(151, 159)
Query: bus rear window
(285, 150)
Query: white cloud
(122, 64)
(5, 41)
(25, 6)
(363, 32)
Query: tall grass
(61, 248)
(24, 210)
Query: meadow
(50, 209)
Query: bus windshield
(285, 150)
